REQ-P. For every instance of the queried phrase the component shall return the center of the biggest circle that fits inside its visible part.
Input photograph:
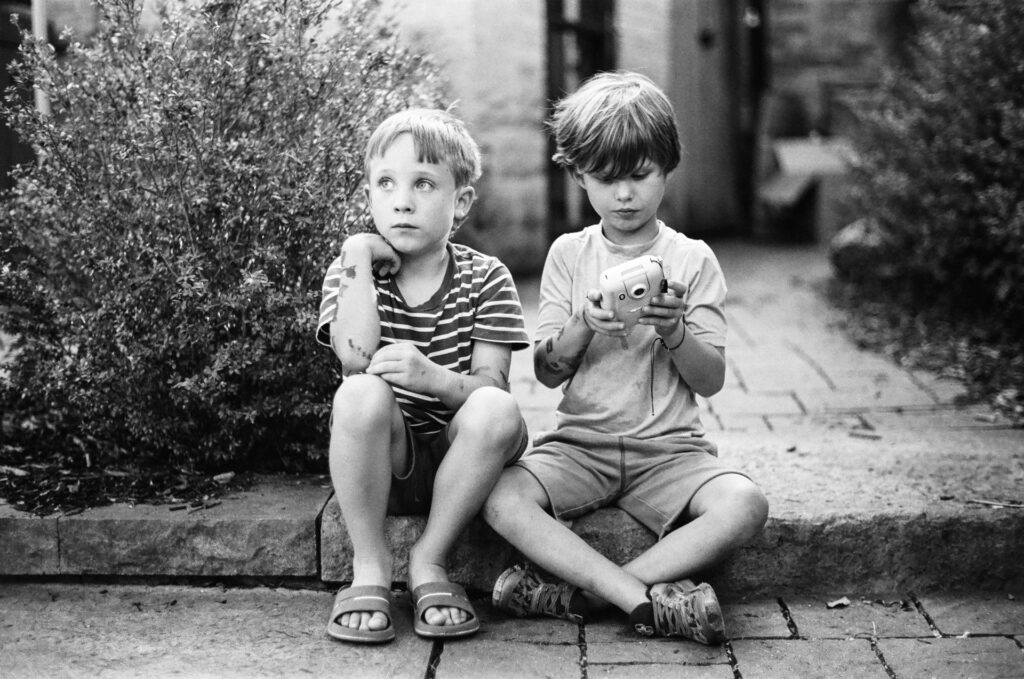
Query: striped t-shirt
(480, 302)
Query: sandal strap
(449, 594)
(372, 598)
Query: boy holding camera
(423, 422)
(628, 428)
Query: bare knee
(737, 501)
(362, 403)
(490, 417)
(515, 488)
(751, 508)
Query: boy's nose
(403, 201)
(623, 190)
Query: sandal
(433, 594)
(521, 592)
(683, 609)
(362, 598)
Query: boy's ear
(577, 177)
(464, 198)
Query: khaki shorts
(653, 481)
(412, 492)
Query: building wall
(492, 55)
(643, 28)
(819, 49)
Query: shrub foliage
(161, 262)
(940, 148)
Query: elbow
(710, 385)
(710, 388)
(544, 373)
(352, 362)
(547, 379)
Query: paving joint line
(436, 650)
(581, 643)
(881, 657)
(799, 403)
(922, 386)
(734, 664)
(815, 366)
(920, 608)
(794, 632)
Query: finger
(601, 315)
(667, 299)
(379, 367)
(679, 289)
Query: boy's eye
(385, 183)
(424, 185)
(640, 176)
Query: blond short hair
(439, 137)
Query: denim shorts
(653, 481)
(412, 492)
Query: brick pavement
(94, 630)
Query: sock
(642, 619)
(578, 604)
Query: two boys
(643, 451)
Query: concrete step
(910, 504)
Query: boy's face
(628, 206)
(414, 204)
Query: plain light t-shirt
(629, 386)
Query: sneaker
(683, 609)
(519, 591)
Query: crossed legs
(723, 514)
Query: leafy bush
(941, 147)
(161, 262)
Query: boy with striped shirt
(423, 422)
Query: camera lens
(638, 291)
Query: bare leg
(485, 434)
(517, 509)
(727, 511)
(367, 442)
(724, 513)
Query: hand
(405, 366)
(600, 320)
(665, 310)
(384, 259)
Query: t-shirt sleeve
(705, 297)
(328, 302)
(555, 291)
(499, 313)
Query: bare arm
(355, 330)
(700, 364)
(556, 358)
(403, 364)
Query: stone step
(291, 528)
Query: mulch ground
(47, 489)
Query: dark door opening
(580, 43)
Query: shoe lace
(674, 615)
(553, 600)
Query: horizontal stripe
(481, 303)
